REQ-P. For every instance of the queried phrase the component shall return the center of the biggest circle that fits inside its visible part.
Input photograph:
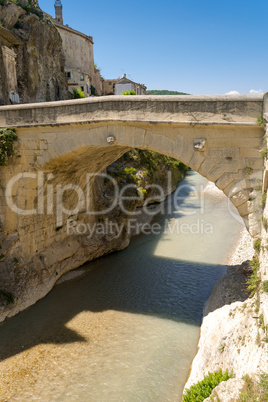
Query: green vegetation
(254, 281)
(222, 347)
(130, 92)
(93, 90)
(77, 94)
(129, 173)
(143, 167)
(255, 391)
(151, 161)
(264, 152)
(164, 92)
(265, 286)
(263, 199)
(29, 8)
(7, 138)
(99, 69)
(3, 2)
(261, 322)
(257, 245)
(260, 121)
(248, 170)
(204, 388)
(6, 297)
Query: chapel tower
(58, 12)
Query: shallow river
(127, 330)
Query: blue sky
(193, 46)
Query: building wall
(78, 50)
(108, 87)
(97, 82)
(140, 90)
(77, 80)
(119, 88)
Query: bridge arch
(216, 136)
(225, 155)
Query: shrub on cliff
(7, 138)
(204, 388)
(254, 281)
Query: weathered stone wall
(36, 248)
(10, 67)
(97, 81)
(78, 50)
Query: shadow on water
(164, 293)
(172, 289)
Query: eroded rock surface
(227, 391)
(232, 334)
(39, 57)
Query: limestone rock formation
(227, 391)
(3, 80)
(232, 335)
(10, 13)
(39, 59)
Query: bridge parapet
(187, 109)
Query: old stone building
(119, 85)
(79, 59)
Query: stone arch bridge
(217, 136)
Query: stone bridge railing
(222, 109)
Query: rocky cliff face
(3, 81)
(40, 59)
(233, 334)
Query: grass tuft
(204, 388)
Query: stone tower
(58, 11)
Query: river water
(127, 330)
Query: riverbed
(127, 329)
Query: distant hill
(164, 92)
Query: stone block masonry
(60, 143)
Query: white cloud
(253, 91)
(233, 93)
